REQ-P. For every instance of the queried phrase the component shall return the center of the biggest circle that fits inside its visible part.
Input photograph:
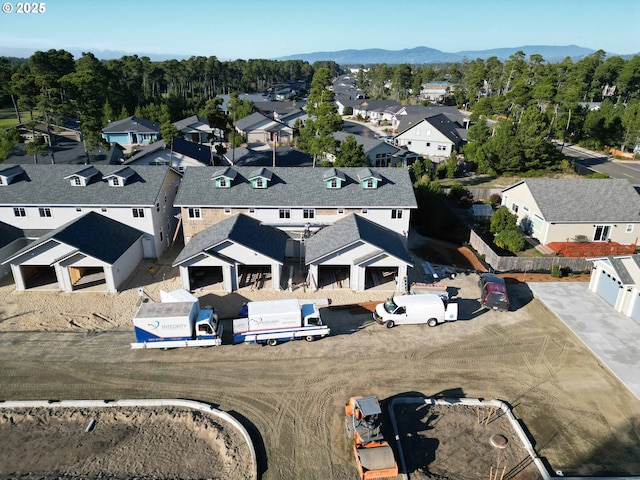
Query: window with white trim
(629, 228)
(285, 213)
(251, 210)
(194, 213)
(341, 211)
(514, 207)
(442, 148)
(308, 213)
(76, 181)
(364, 211)
(369, 183)
(138, 212)
(396, 213)
(19, 212)
(601, 233)
(45, 212)
(227, 211)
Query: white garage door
(608, 288)
(635, 311)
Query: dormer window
(333, 183)
(369, 183)
(259, 183)
(83, 177)
(115, 182)
(7, 175)
(222, 183)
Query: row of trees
(507, 89)
(96, 92)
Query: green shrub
(510, 240)
(556, 271)
(502, 219)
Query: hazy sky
(231, 29)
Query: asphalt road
(597, 162)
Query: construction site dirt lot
(580, 418)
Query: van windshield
(390, 306)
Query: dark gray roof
(132, 124)
(285, 157)
(240, 229)
(333, 173)
(584, 200)
(351, 229)
(48, 185)
(67, 152)
(368, 143)
(251, 120)
(94, 235)
(301, 187)
(440, 122)
(186, 122)
(196, 151)
(9, 234)
(377, 105)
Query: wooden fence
(525, 264)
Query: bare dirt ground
(122, 443)
(291, 398)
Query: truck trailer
(276, 321)
(177, 321)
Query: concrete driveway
(614, 338)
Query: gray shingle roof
(240, 229)
(351, 229)
(623, 274)
(8, 234)
(368, 143)
(132, 124)
(186, 122)
(584, 200)
(299, 187)
(251, 120)
(440, 122)
(48, 185)
(94, 235)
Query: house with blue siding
(131, 131)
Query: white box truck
(178, 321)
(276, 321)
(431, 309)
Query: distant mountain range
(420, 55)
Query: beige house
(578, 210)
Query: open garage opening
(39, 277)
(209, 278)
(381, 278)
(334, 276)
(88, 278)
(255, 277)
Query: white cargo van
(431, 309)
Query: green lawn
(8, 117)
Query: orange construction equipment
(373, 454)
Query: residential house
(435, 91)
(90, 252)
(196, 129)
(379, 153)
(411, 114)
(576, 210)
(237, 252)
(67, 151)
(131, 131)
(178, 155)
(40, 198)
(357, 253)
(616, 279)
(297, 201)
(258, 128)
(374, 110)
(436, 136)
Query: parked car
(493, 292)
